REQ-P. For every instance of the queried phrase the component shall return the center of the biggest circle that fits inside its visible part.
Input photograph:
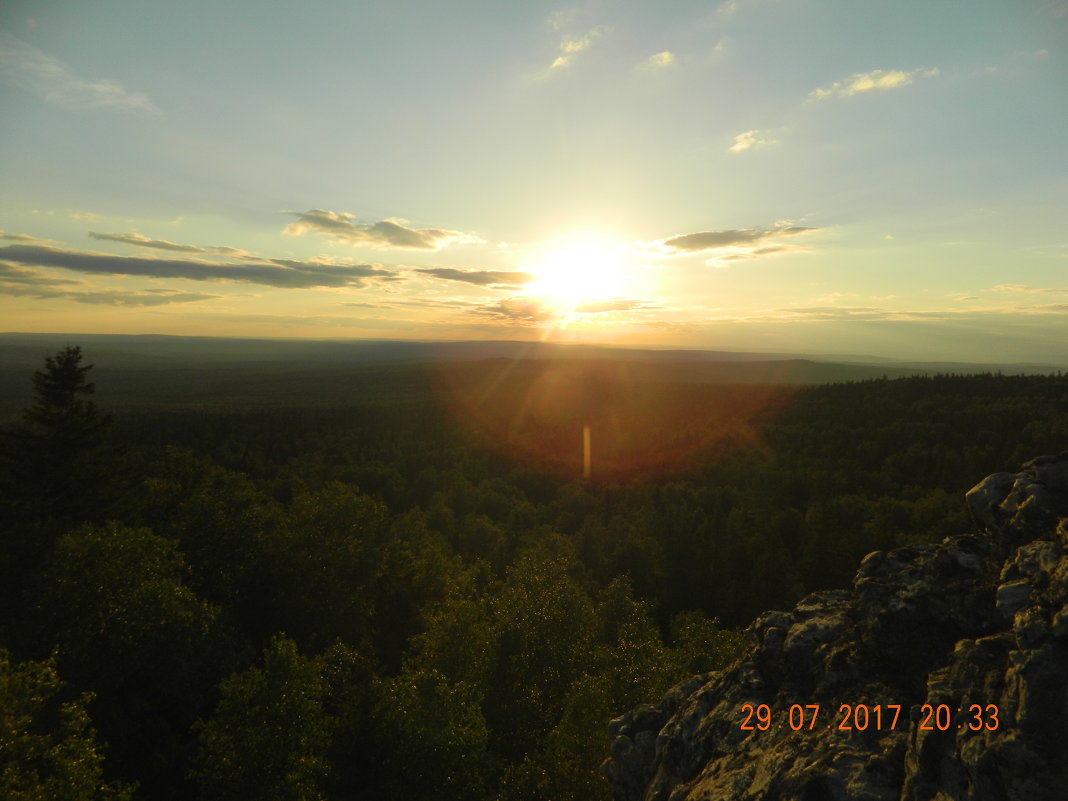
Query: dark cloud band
(282, 273)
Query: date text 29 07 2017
(866, 717)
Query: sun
(577, 271)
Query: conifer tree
(56, 471)
(63, 463)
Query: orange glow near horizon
(545, 413)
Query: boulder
(940, 674)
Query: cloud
(13, 274)
(659, 60)
(493, 278)
(558, 20)
(145, 242)
(1030, 290)
(147, 297)
(284, 273)
(840, 313)
(570, 47)
(20, 282)
(738, 238)
(394, 305)
(163, 244)
(598, 307)
(869, 81)
(305, 320)
(747, 140)
(577, 45)
(21, 237)
(388, 233)
(522, 311)
(767, 250)
(26, 67)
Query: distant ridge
(141, 351)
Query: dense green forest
(414, 592)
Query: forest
(406, 588)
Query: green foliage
(115, 598)
(127, 627)
(700, 645)
(322, 565)
(221, 521)
(48, 750)
(544, 626)
(269, 734)
(56, 470)
(431, 738)
(458, 625)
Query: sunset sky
(822, 176)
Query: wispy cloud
(305, 320)
(766, 250)
(389, 233)
(659, 61)
(735, 243)
(24, 66)
(283, 273)
(870, 81)
(839, 313)
(618, 304)
(570, 47)
(21, 282)
(13, 274)
(491, 278)
(145, 242)
(1031, 290)
(422, 303)
(519, 311)
(747, 140)
(21, 238)
(146, 297)
(162, 244)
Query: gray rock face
(975, 627)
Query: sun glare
(580, 271)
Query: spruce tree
(56, 471)
(63, 462)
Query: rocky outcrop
(975, 628)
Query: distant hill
(153, 370)
(134, 351)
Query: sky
(802, 176)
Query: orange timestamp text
(868, 717)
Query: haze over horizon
(797, 176)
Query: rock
(1013, 596)
(969, 638)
